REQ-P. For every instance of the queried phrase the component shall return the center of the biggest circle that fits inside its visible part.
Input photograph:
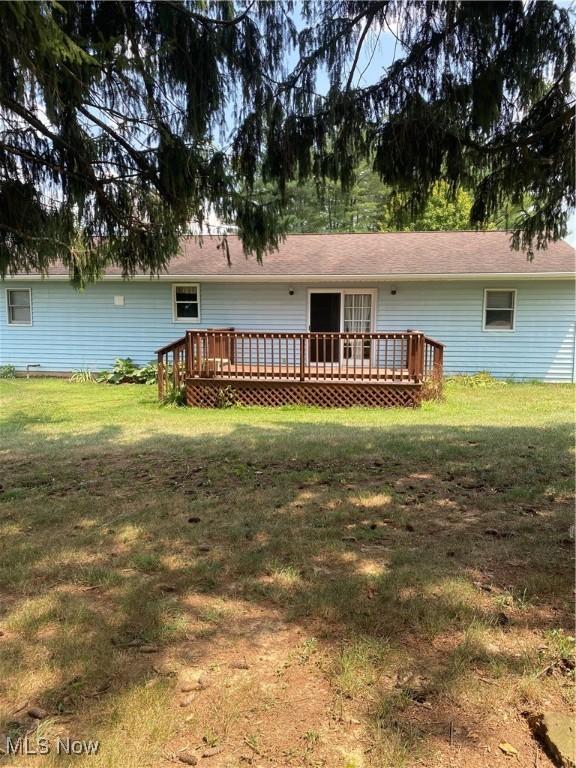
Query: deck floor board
(325, 372)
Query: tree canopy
(369, 206)
(122, 122)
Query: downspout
(574, 357)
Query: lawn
(292, 587)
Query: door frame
(343, 291)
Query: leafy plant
(176, 396)
(211, 738)
(226, 397)
(480, 379)
(126, 371)
(513, 599)
(311, 738)
(7, 371)
(82, 376)
(147, 373)
(561, 646)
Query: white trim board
(382, 278)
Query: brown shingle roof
(373, 255)
(383, 254)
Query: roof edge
(389, 277)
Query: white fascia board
(411, 277)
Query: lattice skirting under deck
(212, 393)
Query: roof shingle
(372, 255)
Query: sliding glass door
(336, 311)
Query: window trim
(18, 323)
(489, 329)
(188, 320)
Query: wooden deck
(224, 366)
(251, 372)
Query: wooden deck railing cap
(170, 347)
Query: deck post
(416, 355)
(176, 367)
(160, 377)
(413, 352)
(438, 362)
(302, 358)
(188, 354)
(419, 357)
(409, 357)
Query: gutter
(325, 278)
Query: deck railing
(433, 359)
(171, 366)
(394, 357)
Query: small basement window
(186, 303)
(499, 309)
(19, 306)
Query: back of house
(492, 308)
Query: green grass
(396, 570)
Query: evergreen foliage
(114, 135)
(369, 206)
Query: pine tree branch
(209, 20)
(306, 61)
(136, 156)
(369, 21)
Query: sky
(571, 236)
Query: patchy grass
(287, 587)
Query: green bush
(126, 371)
(176, 396)
(7, 371)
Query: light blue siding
(540, 347)
(73, 330)
(86, 330)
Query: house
(328, 308)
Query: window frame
(189, 320)
(485, 308)
(18, 323)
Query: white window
(499, 309)
(186, 303)
(19, 306)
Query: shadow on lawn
(386, 536)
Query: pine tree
(114, 134)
